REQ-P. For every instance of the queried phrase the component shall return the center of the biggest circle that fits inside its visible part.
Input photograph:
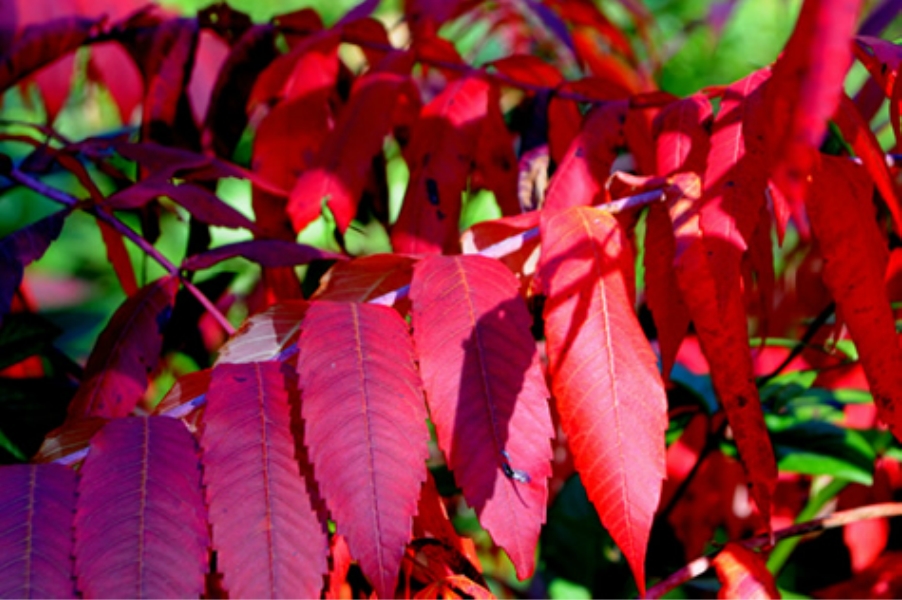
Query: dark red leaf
(580, 176)
(37, 505)
(806, 87)
(487, 395)
(365, 427)
(604, 374)
(20, 248)
(341, 168)
(203, 204)
(268, 540)
(743, 574)
(41, 44)
(444, 143)
(141, 512)
(226, 118)
(842, 218)
(268, 253)
(126, 353)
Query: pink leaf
(487, 395)
(268, 540)
(141, 512)
(365, 427)
(37, 506)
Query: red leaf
(682, 145)
(268, 539)
(126, 352)
(735, 179)
(580, 176)
(309, 70)
(268, 253)
(842, 218)
(21, 248)
(340, 565)
(366, 278)
(806, 87)
(443, 145)
(40, 44)
(455, 586)
(186, 395)
(496, 162)
(266, 335)
(340, 170)
(117, 254)
(529, 70)
(115, 69)
(365, 427)
(743, 574)
(604, 375)
(858, 134)
(487, 395)
(512, 240)
(141, 512)
(432, 518)
(37, 505)
(722, 331)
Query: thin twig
(72, 202)
(839, 519)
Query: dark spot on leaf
(440, 215)
(579, 152)
(163, 318)
(742, 401)
(432, 192)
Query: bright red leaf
(148, 520)
(581, 174)
(735, 179)
(367, 278)
(37, 505)
(443, 144)
(805, 89)
(267, 546)
(743, 574)
(342, 165)
(604, 375)
(126, 352)
(365, 427)
(682, 144)
(487, 395)
(722, 330)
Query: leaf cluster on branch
(634, 241)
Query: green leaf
(23, 335)
(820, 448)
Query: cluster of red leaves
(317, 411)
